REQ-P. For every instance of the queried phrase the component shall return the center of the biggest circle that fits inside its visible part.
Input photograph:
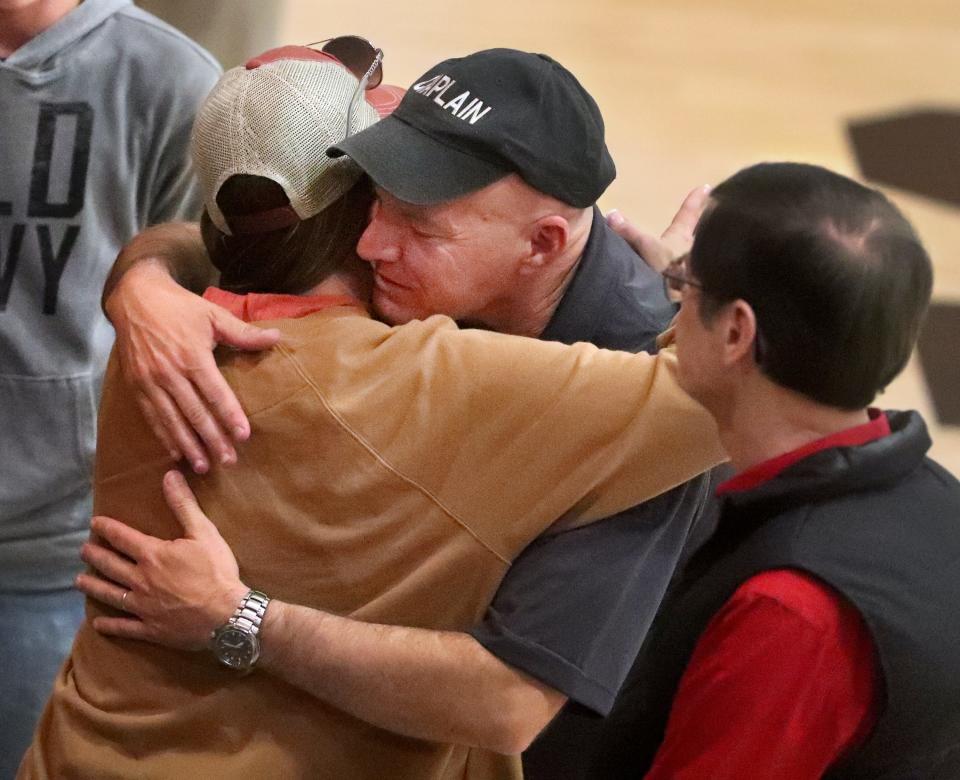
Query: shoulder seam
(362, 441)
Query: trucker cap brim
(412, 166)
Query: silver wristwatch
(236, 643)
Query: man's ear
(548, 238)
(740, 324)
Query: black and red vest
(880, 523)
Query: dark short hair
(835, 274)
(292, 259)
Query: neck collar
(756, 475)
(254, 307)
(836, 470)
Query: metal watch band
(250, 612)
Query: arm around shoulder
(174, 248)
(165, 341)
(569, 431)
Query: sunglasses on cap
(361, 58)
(356, 54)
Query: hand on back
(175, 592)
(165, 341)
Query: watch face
(235, 648)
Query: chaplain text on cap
(472, 120)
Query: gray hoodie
(95, 118)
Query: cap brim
(412, 166)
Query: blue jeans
(36, 633)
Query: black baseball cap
(470, 121)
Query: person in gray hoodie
(96, 104)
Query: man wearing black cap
(487, 174)
(472, 120)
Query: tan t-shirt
(392, 475)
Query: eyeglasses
(361, 58)
(678, 276)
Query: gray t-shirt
(96, 118)
(574, 608)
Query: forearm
(176, 247)
(435, 685)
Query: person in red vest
(815, 634)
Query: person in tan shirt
(394, 474)
(572, 610)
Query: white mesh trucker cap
(275, 117)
